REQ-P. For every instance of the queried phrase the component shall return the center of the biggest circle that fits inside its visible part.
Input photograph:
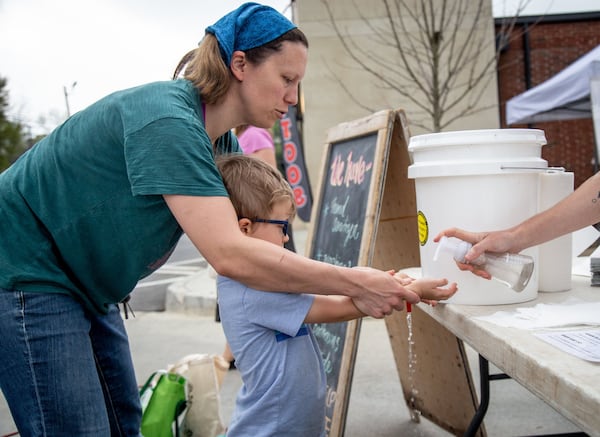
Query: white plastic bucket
(478, 180)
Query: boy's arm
(432, 289)
(332, 309)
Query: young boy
(283, 390)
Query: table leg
(484, 398)
(484, 402)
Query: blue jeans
(65, 371)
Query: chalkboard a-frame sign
(343, 231)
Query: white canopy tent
(571, 94)
(564, 96)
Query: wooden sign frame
(377, 127)
(389, 241)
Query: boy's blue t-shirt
(82, 212)
(284, 384)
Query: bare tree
(441, 61)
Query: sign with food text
(294, 165)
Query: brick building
(538, 48)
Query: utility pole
(67, 93)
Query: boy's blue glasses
(284, 224)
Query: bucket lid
(479, 136)
(477, 152)
(473, 168)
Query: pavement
(186, 325)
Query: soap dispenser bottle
(512, 269)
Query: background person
(103, 200)
(283, 379)
(256, 142)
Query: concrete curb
(194, 295)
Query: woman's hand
(382, 293)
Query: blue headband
(249, 26)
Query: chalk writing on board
(333, 342)
(349, 172)
(344, 198)
(331, 338)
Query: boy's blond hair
(254, 186)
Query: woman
(102, 202)
(257, 142)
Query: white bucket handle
(558, 169)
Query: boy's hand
(430, 290)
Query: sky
(90, 48)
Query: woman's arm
(211, 224)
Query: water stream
(415, 413)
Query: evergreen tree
(12, 137)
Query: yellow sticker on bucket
(423, 228)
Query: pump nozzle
(455, 247)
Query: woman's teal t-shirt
(82, 212)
